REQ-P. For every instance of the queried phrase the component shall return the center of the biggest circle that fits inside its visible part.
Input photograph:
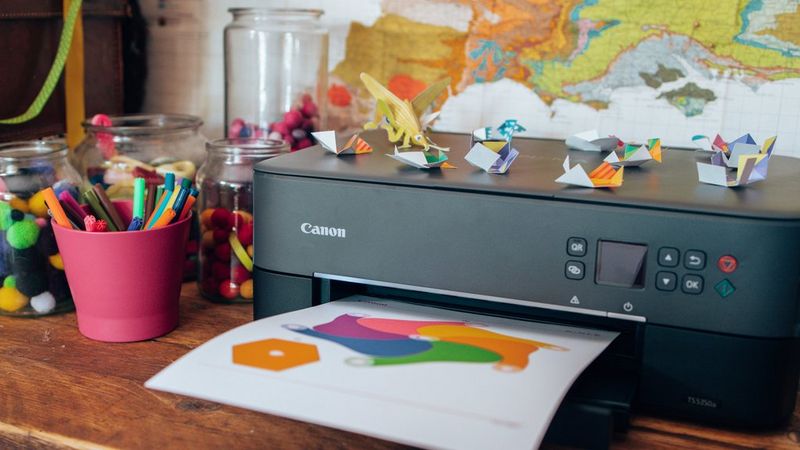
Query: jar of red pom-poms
(276, 66)
(225, 204)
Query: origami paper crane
(421, 159)
(401, 118)
(751, 163)
(354, 146)
(604, 176)
(494, 155)
(634, 156)
(590, 141)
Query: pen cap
(126, 285)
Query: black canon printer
(701, 281)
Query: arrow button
(668, 257)
(666, 281)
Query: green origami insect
(401, 118)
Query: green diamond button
(724, 288)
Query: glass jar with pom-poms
(34, 282)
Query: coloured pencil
(72, 215)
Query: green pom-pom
(23, 234)
(5, 216)
(10, 282)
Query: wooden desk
(61, 390)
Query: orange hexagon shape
(274, 354)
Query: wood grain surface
(59, 389)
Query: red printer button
(727, 263)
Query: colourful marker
(188, 206)
(55, 208)
(69, 201)
(162, 205)
(138, 198)
(165, 219)
(169, 181)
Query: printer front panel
(708, 273)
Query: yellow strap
(74, 83)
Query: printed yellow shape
(274, 354)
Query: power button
(727, 263)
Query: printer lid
(672, 185)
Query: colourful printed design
(274, 354)
(392, 342)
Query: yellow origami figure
(401, 118)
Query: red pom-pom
(245, 234)
(220, 236)
(303, 143)
(220, 218)
(220, 271)
(293, 118)
(101, 226)
(280, 127)
(309, 109)
(239, 274)
(223, 252)
(229, 289)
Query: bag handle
(56, 69)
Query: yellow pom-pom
(37, 205)
(56, 261)
(205, 218)
(207, 240)
(20, 204)
(246, 289)
(12, 300)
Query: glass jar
(148, 146)
(34, 283)
(226, 218)
(276, 74)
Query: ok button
(692, 284)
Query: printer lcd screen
(620, 264)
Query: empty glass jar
(276, 74)
(34, 282)
(226, 217)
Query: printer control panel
(624, 264)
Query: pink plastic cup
(126, 285)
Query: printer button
(668, 257)
(576, 246)
(692, 284)
(575, 270)
(666, 281)
(695, 260)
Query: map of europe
(634, 68)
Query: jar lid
(283, 12)
(146, 124)
(248, 147)
(31, 150)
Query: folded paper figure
(749, 161)
(403, 120)
(634, 155)
(728, 153)
(354, 146)
(421, 159)
(591, 141)
(604, 176)
(491, 150)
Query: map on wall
(634, 68)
